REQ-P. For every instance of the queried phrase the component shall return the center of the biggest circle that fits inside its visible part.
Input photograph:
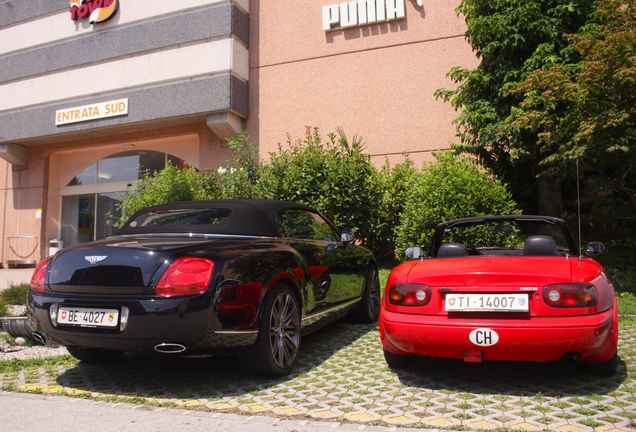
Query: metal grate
(108, 276)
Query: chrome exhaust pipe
(571, 359)
(39, 337)
(170, 348)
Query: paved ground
(55, 413)
(14, 276)
(342, 379)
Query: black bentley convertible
(245, 277)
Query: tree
(512, 38)
(586, 112)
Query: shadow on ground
(508, 378)
(339, 352)
(152, 375)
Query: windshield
(510, 237)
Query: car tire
(94, 355)
(398, 361)
(369, 307)
(606, 368)
(278, 343)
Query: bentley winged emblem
(95, 258)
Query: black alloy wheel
(278, 343)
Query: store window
(90, 200)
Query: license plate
(88, 317)
(486, 303)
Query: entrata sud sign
(91, 112)
(97, 10)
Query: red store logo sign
(97, 10)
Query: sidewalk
(15, 276)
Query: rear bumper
(189, 321)
(592, 337)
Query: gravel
(10, 351)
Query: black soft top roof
(249, 217)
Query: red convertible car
(502, 288)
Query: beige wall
(376, 81)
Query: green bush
(450, 188)
(389, 209)
(235, 180)
(332, 175)
(168, 185)
(394, 183)
(238, 178)
(15, 294)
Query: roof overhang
(15, 154)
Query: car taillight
(39, 275)
(572, 295)
(405, 294)
(185, 276)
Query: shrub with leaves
(394, 204)
(394, 183)
(168, 185)
(238, 177)
(15, 294)
(450, 188)
(333, 175)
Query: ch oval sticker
(484, 337)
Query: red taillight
(39, 275)
(572, 295)
(185, 276)
(409, 294)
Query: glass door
(90, 200)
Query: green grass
(626, 303)
(16, 365)
(624, 281)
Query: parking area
(342, 376)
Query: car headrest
(540, 245)
(447, 250)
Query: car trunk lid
(488, 272)
(116, 265)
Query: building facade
(92, 91)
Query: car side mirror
(594, 248)
(347, 236)
(415, 252)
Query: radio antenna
(578, 200)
